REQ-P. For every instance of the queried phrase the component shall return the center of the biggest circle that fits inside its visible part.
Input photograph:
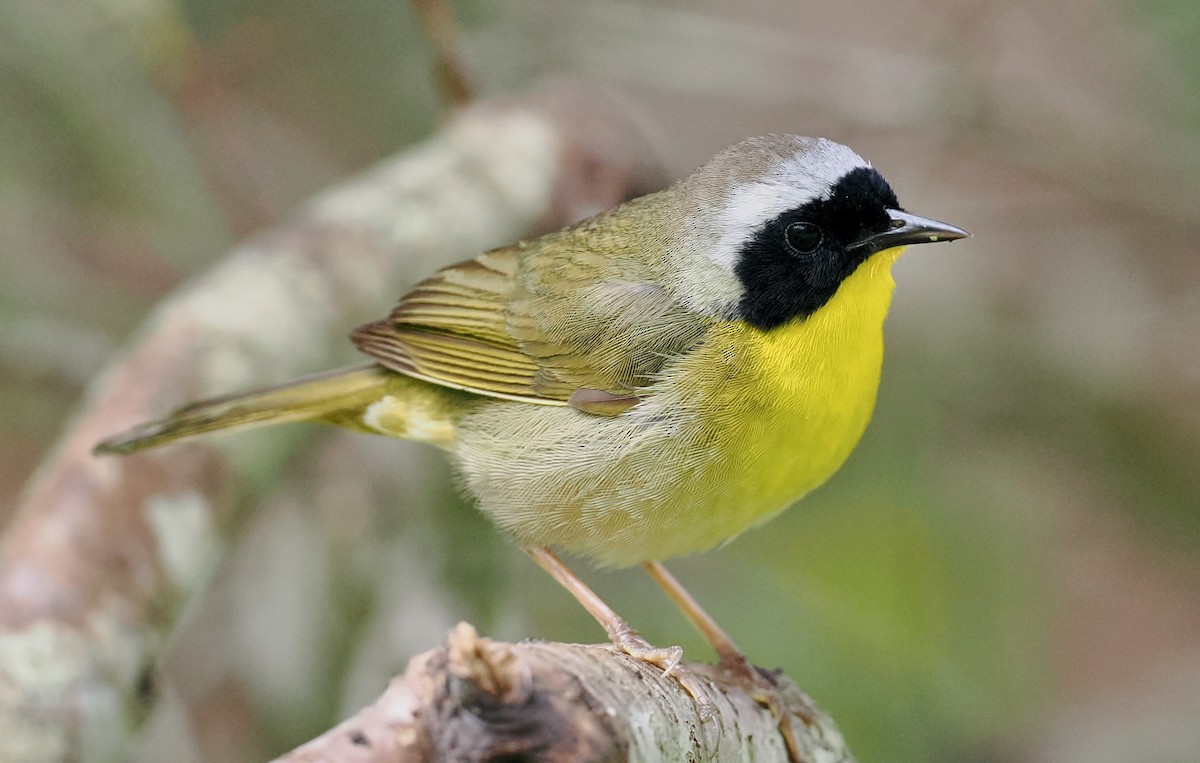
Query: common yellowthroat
(649, 382)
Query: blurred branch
(440, 25)
(477, 699)
(102, 553)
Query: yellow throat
(795, 410)
(823, 375)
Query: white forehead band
(808, 174)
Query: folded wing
(539, 322)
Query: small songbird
(649, 382)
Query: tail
(334, 395)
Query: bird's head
(790, 218)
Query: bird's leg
(623, 636)
(730, 658)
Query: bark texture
(474, 699)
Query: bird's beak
(908, 229)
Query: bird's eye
(802, 238)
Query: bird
(647, 383)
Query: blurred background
(1007, 569)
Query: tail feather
(312, 397)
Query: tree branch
(437, 18)
(474, 699)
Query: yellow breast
(783, 409)
(819, 378)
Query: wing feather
(540, 321)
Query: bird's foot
(758, 685)
(665, 658)
(668, 659)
